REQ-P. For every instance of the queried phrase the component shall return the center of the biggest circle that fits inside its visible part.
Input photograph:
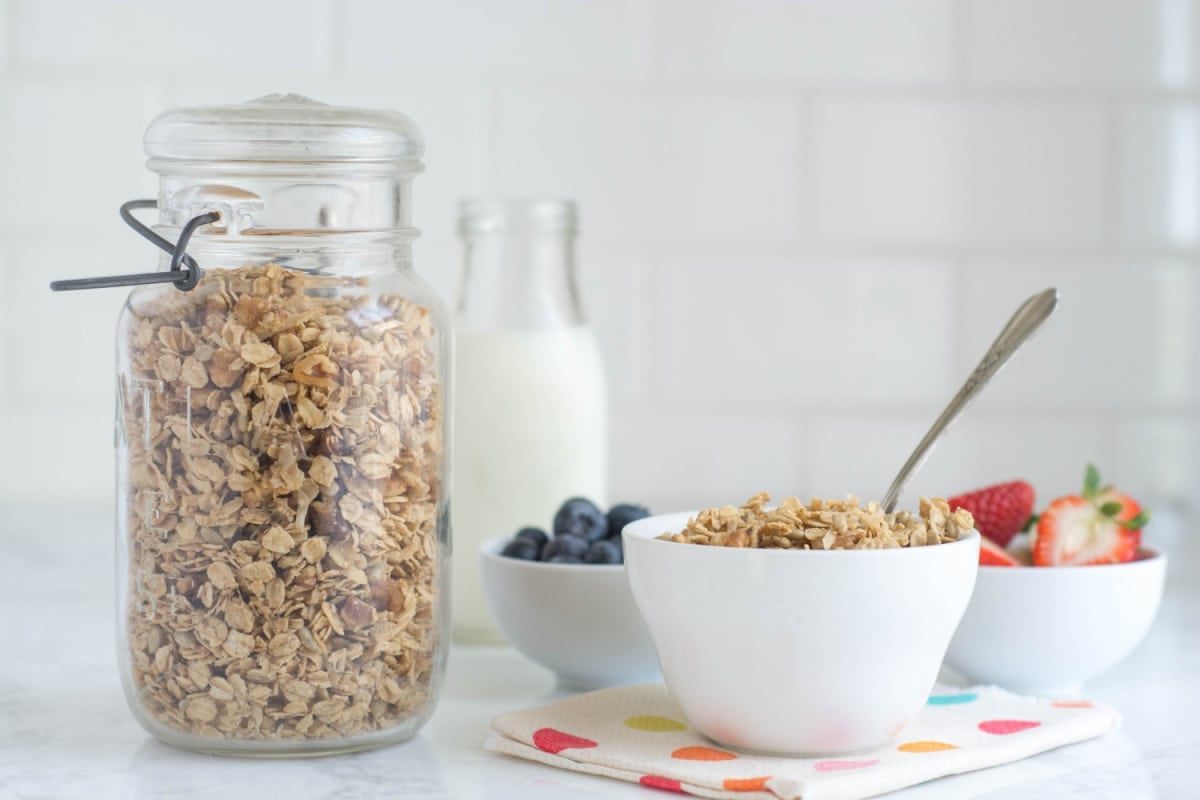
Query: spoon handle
(1027, 319)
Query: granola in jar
(282, 445)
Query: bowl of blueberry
(561, 597)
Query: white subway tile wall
(684, 167)
(61, 351)
(71, 153)
(1079, 43)
(534, 39)
(877, 41)
(1126, 336)
(1159, 174)
(146, 39)
(803, 220)
(791, 335)
(957, 172)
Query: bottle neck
(518, 279)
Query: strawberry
(1098, 526)
(1000, 511)
(993, 555)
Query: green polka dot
(655, 724)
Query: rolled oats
(824, 525)
(282, 448)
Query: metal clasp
(184, 273)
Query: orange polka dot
(702, 754)
(925, 747)
(1072, 703)
(745, 784)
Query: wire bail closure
(184, 273)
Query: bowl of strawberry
(1062, 595)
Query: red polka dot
(836, 766)
(553, 741)
(1001, 727)
(659, 782)
(702, 754)
(746, 784)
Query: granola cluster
(282, 452)
(824, 525)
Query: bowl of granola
(802, 630)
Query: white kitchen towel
(638, 734)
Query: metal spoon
(1027, 319)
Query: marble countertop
(65, 730)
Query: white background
(803, 221)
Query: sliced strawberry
(993, 555)
(1072, 530)
(1000, 511)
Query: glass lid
(285, 128)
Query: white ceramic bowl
(1046, 630)
(798, 652)
(577, 620)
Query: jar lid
(285, 128)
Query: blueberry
(562, 558)
(621, 515)
(521, 548)
(535, 535)
(604, 551)
(565, 545)
(582, 518)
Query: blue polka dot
(951, 699)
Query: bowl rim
(885, 552)
(1145, 556)
(490, 549)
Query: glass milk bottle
(531, 408)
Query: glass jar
(282, 434)
(531, 415)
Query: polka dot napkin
(638, 734)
